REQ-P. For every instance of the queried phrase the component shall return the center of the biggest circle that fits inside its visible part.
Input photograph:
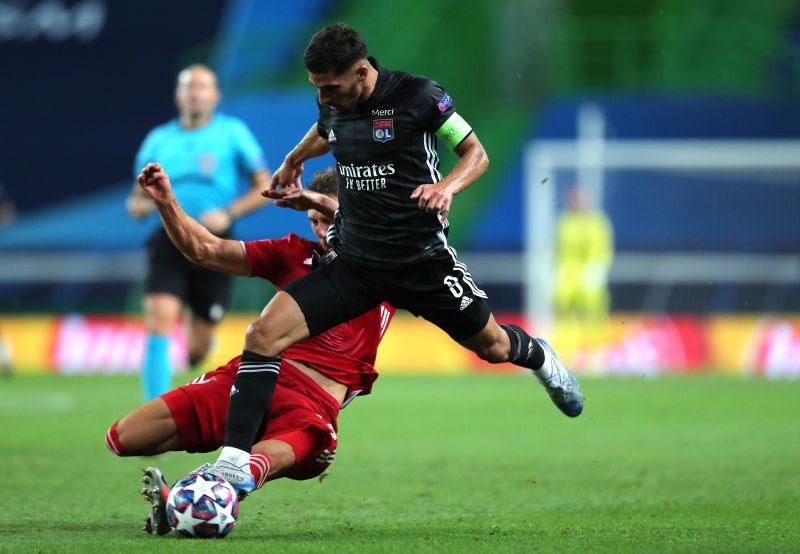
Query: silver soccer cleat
(155, 491)
(242, 481)
(562, 386)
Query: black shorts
(440, 289)
(206, 292)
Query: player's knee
(158, 323)
(262, 337)
(113, 442)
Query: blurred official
(207, 155)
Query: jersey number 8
(454, 286)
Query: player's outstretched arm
(312, 145)
(472, 162)
(303, 200)
(194, 241)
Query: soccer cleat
(562, 386)
(155, 491)
(240, 479)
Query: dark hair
(325, 182)
(335, 48)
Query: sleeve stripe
(246, 257)
(432, 146)
(431, 157)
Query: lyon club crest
(382, 130)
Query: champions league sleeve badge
(382, 130)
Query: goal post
(547, 164)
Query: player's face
(340, 92)
(197, 94)
(319, 224)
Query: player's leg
(200, 338)
(208, 299)
(148, 430)
(510, 343)
(444, 293)
(567, 286)
(300, 438)
(165, 289)
(297, 454)
(162, 311)
(307, 306)
(280, 325)
(269, 460)
(595, 301)
(191, 418)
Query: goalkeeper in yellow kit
(585, 251)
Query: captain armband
(453, 131)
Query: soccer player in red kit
(318, 376)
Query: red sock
(112, 440)
(260, 465)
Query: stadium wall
(627, 345)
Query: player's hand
(296, 198)
(286, 176)
(155, 183)
(139, 206)
(217, 221)
(434, 198)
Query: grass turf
(440, 464)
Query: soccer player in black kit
(389, 234)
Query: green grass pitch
(440, 464)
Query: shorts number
(454, 286)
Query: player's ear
(362, 71)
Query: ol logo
(382, 130)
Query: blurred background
(640, 208)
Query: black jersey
(384, 149)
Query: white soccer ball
(202, 505)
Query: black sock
(525, 351)
(251, 396)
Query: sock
(235, 456)
(112, 440)
(260, 465)
(157, 370)
(525, 351)
(251, 396)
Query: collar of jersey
(375, 97)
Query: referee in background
(207, 155)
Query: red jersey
(345, 353)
